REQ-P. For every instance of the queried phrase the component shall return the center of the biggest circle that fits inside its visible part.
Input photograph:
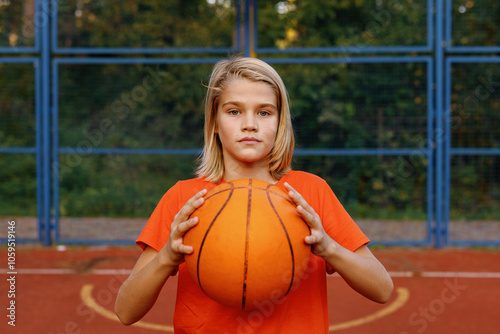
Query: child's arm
(360, 269)
(141, 289)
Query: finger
(178, 230)
(304, 213)
(310, 240)
(191, 205)
(196, 201)
(179, 248)
(289, 188)
(181, 230)
(295, 195)
(299, 200)
(187, 225)
(185, 249)
(309, 218)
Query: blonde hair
(211, 161)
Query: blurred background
(395, 103)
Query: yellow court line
(403, 294)
(86, 295)
(401, 299)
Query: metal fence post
(45, 80)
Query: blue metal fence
(36, 150)
(426, 151)
(437, 54)
(450, 148)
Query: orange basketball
(248, 245)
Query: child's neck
(230, 175)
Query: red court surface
(73, 291)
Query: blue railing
(36, 150)
(451, 150)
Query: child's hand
(175, 249)
(321, 243)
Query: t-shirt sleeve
(157, 230)
(338, 223)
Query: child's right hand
(174, 249)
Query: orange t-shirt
(303, 310)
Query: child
(248, 134)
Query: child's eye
(264, 113)
(233, 112)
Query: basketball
(248, 245)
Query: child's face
(247, 122)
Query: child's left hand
(321, 243)
(360, 269)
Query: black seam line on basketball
(245, 270)
(285, 197)
(229, 189)
(206, 234)
(279, 194)
(223, 190)
(268, 188)
(287, 238)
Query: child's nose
(249, 122)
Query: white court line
(51, 271)
(111, 272)
(461, 274)
(430, 274)
(42, 271)
(438, 274)
(401, 273)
